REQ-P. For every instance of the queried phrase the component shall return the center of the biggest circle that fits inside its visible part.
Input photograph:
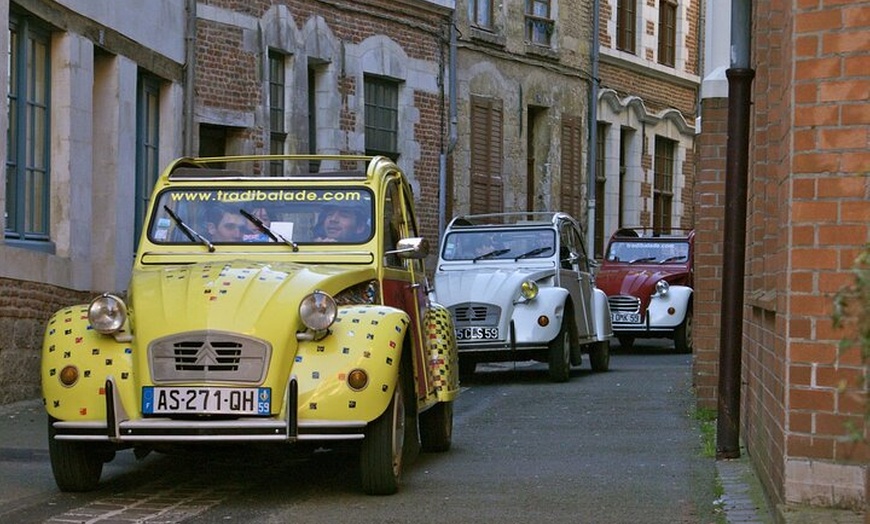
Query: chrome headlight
(318, 311)
(107, 314)
(529, 289)
(662, 287)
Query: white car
(520, 287)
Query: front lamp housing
(107, 314)
(662, 287)
(318, 311)
(529, 289)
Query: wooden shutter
(487, 186)
(572, 159)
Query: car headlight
(107, 313)
(529, 289)
(318, 311)
(662, 287)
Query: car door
(576, 277)
(404, 280)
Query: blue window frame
(147, 145)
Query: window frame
(663, 183)
(147, 147)
(626, 26)
(277, 109)
(667, 44)
(481, 14)
(381, 116)
(28, 205)
(539, 27)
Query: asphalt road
(615, 447)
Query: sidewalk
(23, 436)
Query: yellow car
(283, 309)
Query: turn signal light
(543, 321)
(357, 379)
(69, 375)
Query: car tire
(599, 357)
(382, 450)
(76, 466)
(683, 342)
(626, 343)
(436, 427)
(560, 354)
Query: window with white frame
(663, 184)
(667, 32)
(28, 177)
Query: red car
(648, 278)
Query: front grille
(205, 356)
(476, 314)
(624, 303)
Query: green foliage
(852, 304)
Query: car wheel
(599, 357)
(626, 343)
(683, 334)
(560, 354)
(383, 446)
(76, 466)
(436, 427)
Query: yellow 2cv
(283, 309)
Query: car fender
(443, 356)
(549, 302)
(370, 338)
(678, 298)
(69, 340)
(601, 314)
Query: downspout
(442, 163)
(740, 76)
(593, 134)
(189, 77)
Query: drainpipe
(442, 168)
(189, 76)
(740, 76)
(593, 135)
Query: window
(663, 187)
(480, 13)
(382, 117)
(600, 186)
(28, 177)
(147, 145)
(626, 25)
(314, 165)
(539, 24)
(667, 32)
(625, 136)
(572, 162)
(487, 186)
(277, 129)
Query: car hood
(238, 296)
(486, 285)
(638, 281)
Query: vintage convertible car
(519, 287)
(283, 309)
(648, 277)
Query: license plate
(476, 333)
(206, 400)
(625, 318)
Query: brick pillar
(709, 226)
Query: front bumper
(119, 428)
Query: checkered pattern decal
(443, 357)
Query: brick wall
(657, 93)
(808, 219)
(24, 310)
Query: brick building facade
(804, 396)
(647, 104)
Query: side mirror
(412, 247)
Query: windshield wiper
(274, 235)
(674, 258)
(536, 251)
(189, 231)
(495, 253)
(643, 259)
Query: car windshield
(500, 245)
(649, 252)
(242, 215)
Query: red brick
(843, 138)
(812, 352)
(851, 42)
(818, 21)
(811, 399)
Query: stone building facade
(803, 400)
(647, 102)
(523, 80)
